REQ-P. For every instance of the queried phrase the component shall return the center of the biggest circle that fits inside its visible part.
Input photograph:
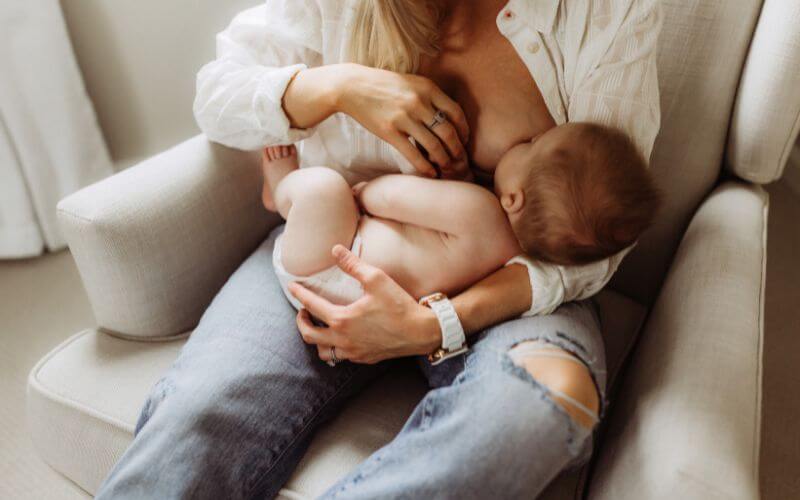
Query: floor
(43, 303)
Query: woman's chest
(495, 89)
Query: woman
(236, 412)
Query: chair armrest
(155, 242)
(687, 420)
(766, 117)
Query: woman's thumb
(355, 267)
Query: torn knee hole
(565, 376)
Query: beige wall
(139, 60)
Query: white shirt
(593, 60)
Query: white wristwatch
(454, 342)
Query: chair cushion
(84, 398)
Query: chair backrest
(702, 49)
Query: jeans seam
(300, 433)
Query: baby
(575, 194)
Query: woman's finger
(366, 274)
(445, 131)
(428, 140)
(313, 334)
(315, 304)
(447, 135)
(325, 354)
(412, 154)
(454, 113)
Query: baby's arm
(452, 207)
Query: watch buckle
(440, 355)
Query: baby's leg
(319, 209)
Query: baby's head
(577, 193)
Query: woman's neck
(461, 19)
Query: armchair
(683, 318)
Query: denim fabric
(235, 413)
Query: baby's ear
(513, 201)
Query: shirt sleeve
(239, 95)
(616, 85)
(553, 285)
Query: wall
(139, 61)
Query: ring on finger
(438, 118)
(334, 360)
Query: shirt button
(533, 47)
(508, 15)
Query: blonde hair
(393, 34)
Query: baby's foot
(277, 162)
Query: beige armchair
(683, 318)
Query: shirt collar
(541, 14)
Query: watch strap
(454, 341)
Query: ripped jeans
(488, 429)
(237, 410)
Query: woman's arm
(393, 106)
(238, 95)
(270, 85)
(502, 295)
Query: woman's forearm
(503, 295)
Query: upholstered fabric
(155, 243)
(687, 420)
(84, 398)
(766, 119)
(702, 47)
(158, 241)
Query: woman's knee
(566, 377)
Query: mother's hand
(396, 107)
(385, 323)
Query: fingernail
(338, 251)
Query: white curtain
(50, 142)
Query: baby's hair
(589, 200)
